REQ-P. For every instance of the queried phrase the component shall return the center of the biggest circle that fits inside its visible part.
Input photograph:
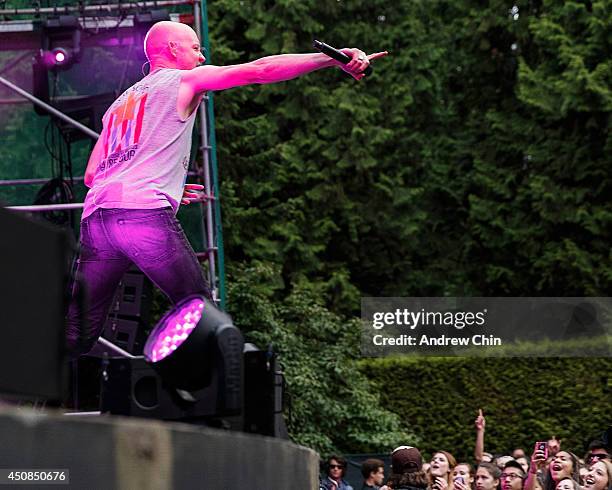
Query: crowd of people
(550, 467)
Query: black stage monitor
(34, 266)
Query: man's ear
(172, 46)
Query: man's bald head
(161, 38)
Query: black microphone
(336, 54)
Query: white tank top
(145, 148)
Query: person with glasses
(597, 451)
(512, 476)
(594, 457)
(336, 470)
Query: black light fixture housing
(61, 42)
(60, 49)
(182, 346)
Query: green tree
(439, 175)
(332, 406)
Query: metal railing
(46, 207)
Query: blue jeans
(113, 239)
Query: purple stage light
(57, 57)
(167, 337)
(189, 341)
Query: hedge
(523, 399)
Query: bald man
(137, 171)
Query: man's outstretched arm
(272, 69)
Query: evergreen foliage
(331, 404)
(473, 162)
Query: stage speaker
(263, 395)
(134, 296)
(128, 320)
(132, 387)
(127, 323)
(124, 334)
(35, 264)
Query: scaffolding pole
(47, 207)
(102, 8)
(211, 151)
(92, 134)
(211, 232)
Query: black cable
(46, 142)
(69, 159)
(56, 157)
(70, 182)
(58, 190)
(125, 69)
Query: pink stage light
(57, 57)
(176, 330)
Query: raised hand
(359, 61)
(538, 458)
(459, 485)
(480, 421)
